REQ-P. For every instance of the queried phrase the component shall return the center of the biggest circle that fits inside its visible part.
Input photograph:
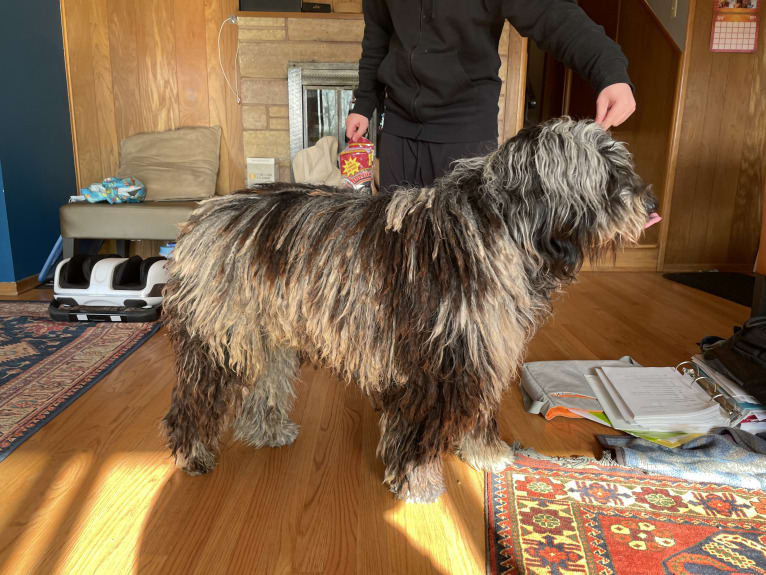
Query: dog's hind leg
(483, 449)
(204, 396)
(264, 417)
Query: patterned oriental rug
(545, 518)
(46, 365)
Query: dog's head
(570, 192)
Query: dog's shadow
(317, 506)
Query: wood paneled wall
(514, 83)
(149, 65)
(715, 211)
(654, 66)
(760, 264)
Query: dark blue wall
(6, 260)
(35, 135)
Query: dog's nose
(651, 204)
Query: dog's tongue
(653, 218)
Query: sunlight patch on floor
(441, 525)
(60, 498)
(111, 519)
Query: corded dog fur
(424, 298)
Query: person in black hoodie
(432, 66)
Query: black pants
(416, 163)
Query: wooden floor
(96, 492)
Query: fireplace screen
(320, 98)
(324, 112)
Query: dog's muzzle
(650, 204)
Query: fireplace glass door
(320, 97)
(324, 112)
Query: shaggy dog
(424, 298)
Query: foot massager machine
(108, 288)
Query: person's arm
(562, 28)
(368, 96)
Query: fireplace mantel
(311, 15)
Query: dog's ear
(539, 220)
(557, 229)
(557, 238)
(562, 255)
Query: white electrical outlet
(261, 171)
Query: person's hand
(614, 105)
(356, 126)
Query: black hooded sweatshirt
(435, 62)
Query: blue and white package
(115, 191)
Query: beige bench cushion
(143, 221)
(174, 165)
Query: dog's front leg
(412, 443)
(416, 482)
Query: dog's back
(360, 283)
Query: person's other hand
(614, 105)
(356, 126)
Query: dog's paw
(429, 494)
(423, 484)
(286, 434)
(493, 458)
(277, 436)
(200, 461)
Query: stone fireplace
(321, 53)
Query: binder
(715, 391)
(630, 401)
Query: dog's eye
(627, 194)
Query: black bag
(742, 357)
